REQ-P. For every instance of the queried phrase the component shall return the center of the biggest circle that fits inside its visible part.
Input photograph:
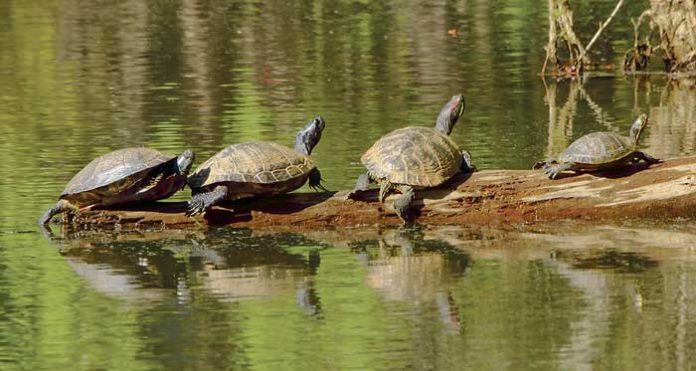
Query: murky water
(78, 79)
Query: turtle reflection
(620, 261)
(157, 266)
(136, 265)
(263, 266)
(404, 267)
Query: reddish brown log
(489, 197)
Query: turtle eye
(319, 122)
(457, 109)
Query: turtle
(124, 176)
(600, 151)
(256, 168)
(415, 157)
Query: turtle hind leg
(363, 184)
(315, 180)
(554, 168)
(60, 207)
(403, 204)
(384, 188)
(645, 157)
(203, 201)
(467, 166)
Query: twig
(551, 46)
(603, 25)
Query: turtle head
(184, 162)
(637, 127)
(309, 136)
(450, 114)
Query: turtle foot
(403, 205)
(195, 207)
(203, 201)
(554, 169)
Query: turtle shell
(252, 162)
(598, 148)
(416, 156)
(113, 168)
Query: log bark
(488, 197)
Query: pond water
(78, 79)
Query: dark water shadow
(167, 207)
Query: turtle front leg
(315, 181)
(645, 157)
(555, 168)
(384, 188)
(203, 201)
(467, 166)
(60, 207)
(542, 164)
(402, 205)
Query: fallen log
(488, 197)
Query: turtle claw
(195, 207)
(201, 202)
(318, 187)
(552, 169)
(315, 180)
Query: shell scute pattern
(252, 162)
(416, 156)
(598, 148)
(114, 167)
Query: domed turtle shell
(598, 148)
(119, 169)
(264, 163)
(416, 156)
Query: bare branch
(603, 26)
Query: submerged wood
(489, 197)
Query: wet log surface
(488, 197)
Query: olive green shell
(599, 148)
(416, 156)
(252, 162)
(120, 167)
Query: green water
(78, 79)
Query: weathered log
(676, 21)
(488, 197)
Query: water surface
(80, 79)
